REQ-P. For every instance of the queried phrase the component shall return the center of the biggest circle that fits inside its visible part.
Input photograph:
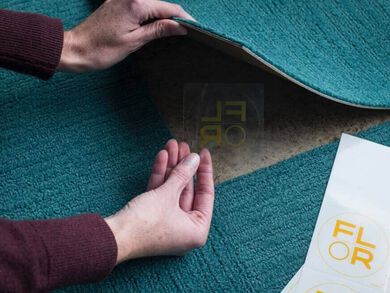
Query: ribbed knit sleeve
(38, 256)
(30, 43)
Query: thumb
(160, 29)
(183, 173)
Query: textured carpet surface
(65, 150)
(338, 48)
(85, 143)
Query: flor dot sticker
(353, 245)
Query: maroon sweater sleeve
(38, 256)
(30, 43)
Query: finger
(161, 9)
(159, 169)
(204, 193)
(156, 30)
(182, 174)
(173, 154)
(187, 196)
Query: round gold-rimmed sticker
(353, 245)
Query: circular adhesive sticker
(353, 245)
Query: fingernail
(192, 160)
(189, 17)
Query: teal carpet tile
(339, 49)
(85, 144)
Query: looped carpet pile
(338, 49)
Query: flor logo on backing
(353, 245)
(228, 124)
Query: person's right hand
(172, 217)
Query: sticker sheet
(350, 244)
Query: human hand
(116, 29)
(172, 217)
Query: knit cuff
(30, 43)
(79, 249)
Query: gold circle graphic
(338, 258)
(242, 131)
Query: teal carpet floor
(84, 143)
(340, 49)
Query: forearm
(47, 254)
(30, 43)
(73, 56)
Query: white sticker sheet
(350, 248)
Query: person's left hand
(116, 29)
(173, 216)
